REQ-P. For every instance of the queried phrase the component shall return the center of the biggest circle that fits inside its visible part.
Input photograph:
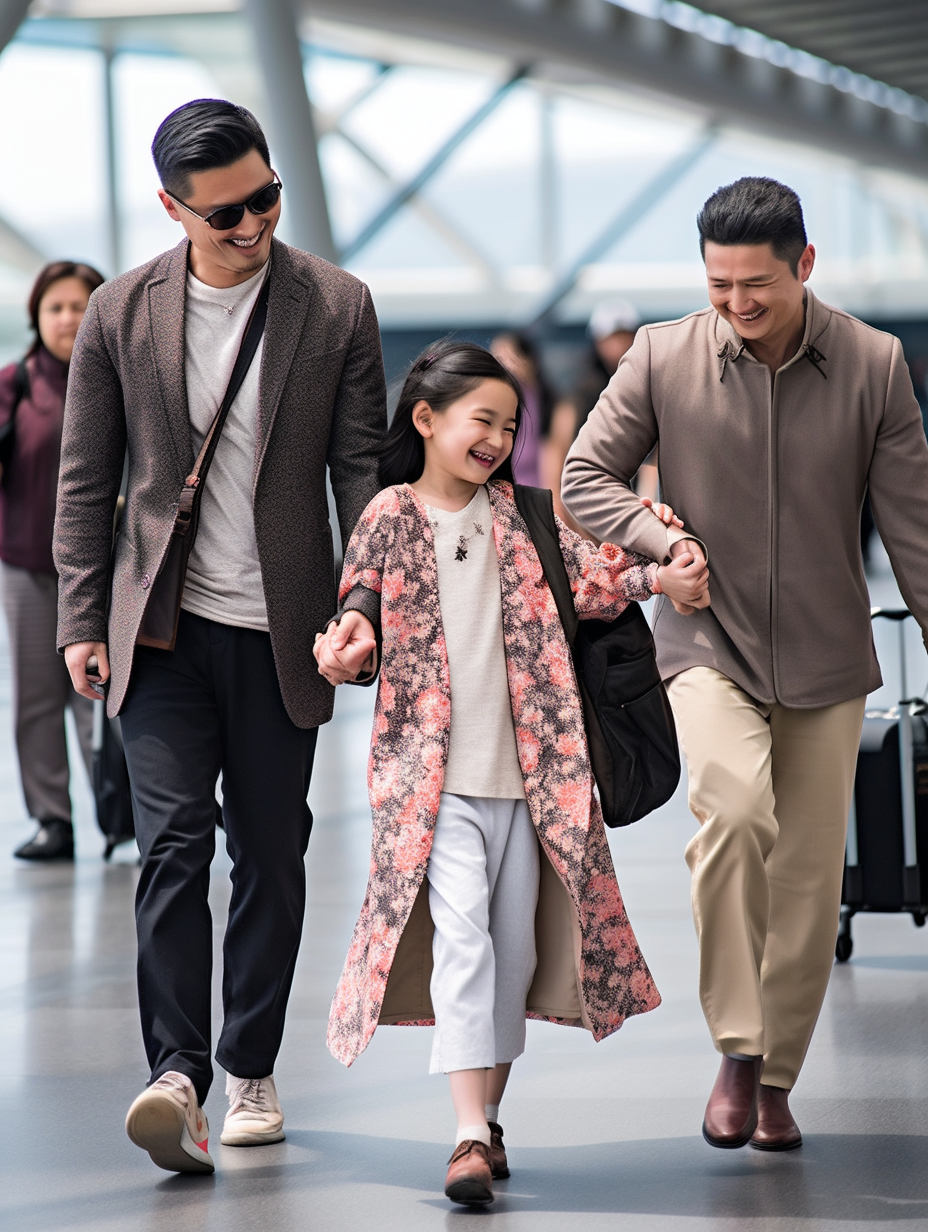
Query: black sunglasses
(229, 216)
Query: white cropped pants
(483, 890)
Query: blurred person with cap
(611, 330)
(775, 414)
(32, 397)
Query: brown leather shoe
(499, 1164)
(470, 1180)
(731, 1114)
(776, 1129)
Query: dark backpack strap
(21, 389)
(536, 506)
(21, 385)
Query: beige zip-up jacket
(770, 472)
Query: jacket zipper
(774, 538)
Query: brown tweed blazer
(321, 400)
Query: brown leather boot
(776, 1129)
(470, 1180)
(731, 1114)
(499, 1164)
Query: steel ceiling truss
(412, 191)
(414, 186)
(604, 42)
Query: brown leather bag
(162, 611)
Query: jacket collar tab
(729, 350)
(815, 358)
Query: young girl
(492, 895)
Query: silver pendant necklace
(460, 551)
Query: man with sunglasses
(238, 696)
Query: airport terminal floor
(600, 1136)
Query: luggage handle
(899, 615)
(890, 613)
(911, 872)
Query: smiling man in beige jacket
(775, 414)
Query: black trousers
(213, 706)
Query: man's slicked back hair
(755, 210)
(200, 136)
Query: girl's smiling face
(466, 442)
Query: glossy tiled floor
(601, 1136)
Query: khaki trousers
(771, 788)
(41, 692)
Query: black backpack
(629, 724)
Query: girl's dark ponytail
(444, 372)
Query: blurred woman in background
(32, 395)
(518, 354)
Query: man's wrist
(688, 544)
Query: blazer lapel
(287, 307)
(166, 299)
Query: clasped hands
(685, 581)
(347, 649)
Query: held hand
(685, 581)
(664, 512)
(77, 657)
(346, 649)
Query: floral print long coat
(391, 553)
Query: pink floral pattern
(392, 553)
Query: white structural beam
(114, 220)
(292, 127)
(612, 44)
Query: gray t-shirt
(224, 575)
(482, 757)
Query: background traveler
(611, 330)
(32, 395)
(516, 351)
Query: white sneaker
(254, 1115)
(168, 1123)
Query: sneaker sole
(469, 1193)
(157, 1125)
(251, 1137)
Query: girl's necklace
(460, 551)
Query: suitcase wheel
(918, 919)
(844, 946)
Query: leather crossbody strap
(536, 506)
(193, 484)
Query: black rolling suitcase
(886, 865)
